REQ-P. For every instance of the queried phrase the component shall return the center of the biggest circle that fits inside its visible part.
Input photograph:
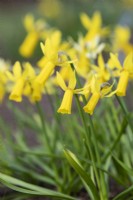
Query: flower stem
(43, 126)
(87, 130)
(125, 111)
(57, 178)
(123, 127)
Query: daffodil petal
(128, 62)
(29, 22)
(42, 48)
(28, 70)
(72, 81)
(61, 82)
(96, 19)
(17, 69)
(115, 61)
(85, 20)
(105, 90)
(9, 76)
(56, 38)
(95, 86)
(111, 93)
(101, 62)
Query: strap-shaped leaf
(74, 162)
(124, 194)
(28, 188)
(127, 169)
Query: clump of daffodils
(77, 67)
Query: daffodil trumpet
(98, 91)
(126, 72)
(27, 47)
(66, 104)
(45, 73)
(93, 101)
(35, 31)
(122, 84)
(17, 91)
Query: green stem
(87, 130)
(43, 126)
(101, 180)
(125, 111)
(123, 127)
(59, 183)
(56, 118)
(114, 114)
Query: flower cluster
(69, 63)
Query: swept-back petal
(42, 48)
(128, 62)
(95, 85)
(106, 89)
(111, 93)
(72, 81)
(85, 20)
(61, 82)
(56, 38)
(29, 22)
(115, 61)
(17, 71)
(29, 71)
(9, 76)
(101, 62)
(97, 20)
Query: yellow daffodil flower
(114, 72)
(18, 79)
(34, 30)
(82, 64)
(66, 104)
(93, 25)
(94, 47)
(101, 70)
(45, 73)
(121, 39)
(126, 72)
(3, 78)
(32, 89)
(89, 82)
(50, 49)
(52, 59)
(22, 79)
(66, 73)
(98, 91)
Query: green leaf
(74, 162)
(123, 166)
(28, 188)
(122, 195)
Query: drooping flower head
(98, 91)
(35, 31)
(70, 90)
(93, 26)
(126, 72)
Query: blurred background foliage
(63, 14)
